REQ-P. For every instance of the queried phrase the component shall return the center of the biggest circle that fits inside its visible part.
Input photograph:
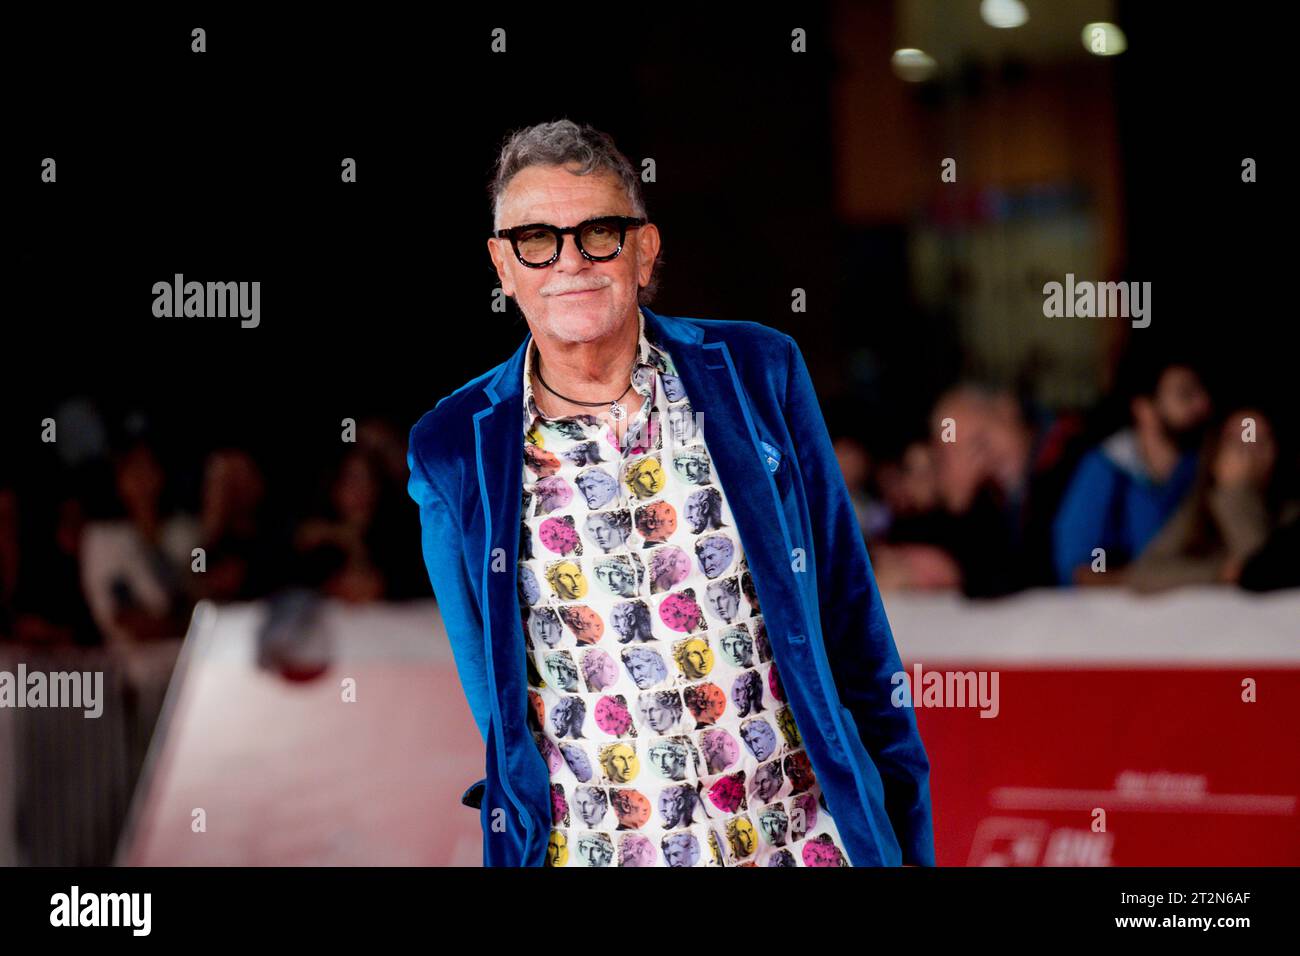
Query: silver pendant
(617, 410)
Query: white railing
(66, 778)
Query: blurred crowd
(104, 544)
(1168, 488)
(1160, 487)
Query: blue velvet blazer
(824, 616)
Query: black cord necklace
(616, 408)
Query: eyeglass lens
(599, 238)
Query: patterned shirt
(654, 698)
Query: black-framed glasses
(538, 244)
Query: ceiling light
(1104, 39)
(913, 65)
(1003, 14)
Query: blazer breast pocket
(783, 467)
(772, 456)
(777, 461)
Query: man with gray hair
(573, 246)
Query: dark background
(376, 296)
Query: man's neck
(1159, 453)
(595, 371)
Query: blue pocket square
(771, 455)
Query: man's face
(621, 619)
(562, 670)
(715, 555)
(773, 825)
(744, 837)
(693, 467)
(584, 622)
(725, 602)
(594, 852)
(675, 802)
(681, 422)
(642, 669)
(599, 528)
(733, 646)
(553, 195)
(557, 851)
(597, 487)
(601, 670)
(545, 628)
(698, 658)
(640, 854)
(760, 738)
(668, 760)
(568, 581)
(620, 763)
(655, 521)
(658, 717)
(647, 478)
(677, 853)
(1182, 404)
(697, 512)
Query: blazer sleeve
(442, 542)
(857, 636)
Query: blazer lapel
(745, 461)
(742, 459)
(499, 439)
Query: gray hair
(563, 143)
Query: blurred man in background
(1126, 488)
(973, 505)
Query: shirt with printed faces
(653, 694)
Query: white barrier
(64, 779)
(1063, 628)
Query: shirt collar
(650, 355)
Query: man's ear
(647, 251)
(495, 247)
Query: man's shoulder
(743, 332)
(761, 353)
(1098, 473)
(451, 419)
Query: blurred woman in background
(1240, 497)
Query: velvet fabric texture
(818, 595)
